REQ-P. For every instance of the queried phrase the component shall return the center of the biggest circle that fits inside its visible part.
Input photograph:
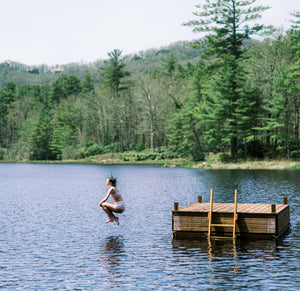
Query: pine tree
(114, 72)
(113, 79)
(227, 22)
(40, 136)
(170, 64)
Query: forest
(230, 93)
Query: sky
(56, 32)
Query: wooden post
(210, 211)
(176, 206)
(199, 199)
(234, 215)
(285, 200)
(273, 208)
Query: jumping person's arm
(106, 197)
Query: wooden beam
(273, 208)
(176, 206)
(234, 215)
(210, 211)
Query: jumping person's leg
(109, 209)
(109, 213)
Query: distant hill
(152, 59)
(142, 62)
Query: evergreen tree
(227, 24)
(65, 86)
(114, 72)
(40, 136)
(65, 126)
(170, 64)
(88, 84)
(113, 79)
(73, 85)
(59, 89)
(189, 124)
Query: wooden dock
(252, 220)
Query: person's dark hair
(112, 180)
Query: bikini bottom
(120, 204)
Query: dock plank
(229, 207)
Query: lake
(53, 234)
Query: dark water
(53, 234)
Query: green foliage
(233, 95)
(228, 25)
(294, 155)
(225, 158)
(90, 149)
(170, 63)
(164, 153)
(94, 150)
(187, 126)
(88, 84)
(160, 154)
(140, 146)
(219, 158)
(40, 137)
(2, 151)
(114, 72)
(256, 149)
(64, 123)
(64, 87)
(70, 152)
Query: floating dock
(230, 219)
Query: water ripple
(53, 234)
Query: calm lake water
(53, 234)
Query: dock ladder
(210, 217)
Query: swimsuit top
(116, 194)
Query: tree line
(241, 99)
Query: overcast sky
(51, 32)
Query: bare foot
(117, 220)
(107, 221)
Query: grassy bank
(185, 163)
(211, 163)
(116, 159)
(274, 164)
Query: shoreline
(179, 163)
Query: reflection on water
(226, 247)
(239, 264)
(53, 234)
(112, 249)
